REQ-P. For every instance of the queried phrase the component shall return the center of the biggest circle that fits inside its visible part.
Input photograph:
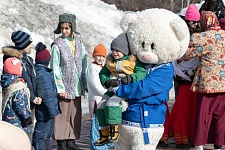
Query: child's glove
(126, 80)
(112, 82)
(28, 121)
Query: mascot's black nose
(143, 44)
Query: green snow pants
(109, 111)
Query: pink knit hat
(192, 13)
(12, 65)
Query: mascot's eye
(143, 44)
(152, 46)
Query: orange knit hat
(12, 65)
(99, 50)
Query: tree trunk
(171, 5)
(182, 4)
(188, 3)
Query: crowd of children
(34, 90)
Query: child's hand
(28, 121)
(39, 100)
(35, 100)
(112, 82)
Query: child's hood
(7, 79)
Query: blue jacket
(49, 107)
(16, 109)
(146, 97)
(30, 77)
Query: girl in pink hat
(209, 82)
(15, 96)
(182, 116)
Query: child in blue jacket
(49, 108)
(15, 96)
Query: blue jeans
(42, 132)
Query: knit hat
(42, 54)
(222, 23)
(12, 65)
(121, 44)
(21, 39)
(99, 50)
(66, 18)
(192, 13)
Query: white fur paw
(124, 105)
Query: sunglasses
(193, 23)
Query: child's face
(117, 54)
(66, 29)
(21, 69)
(99, 59)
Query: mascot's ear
(127, 21)
(178, 25)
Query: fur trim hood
(11, 52)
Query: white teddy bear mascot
(157, 37)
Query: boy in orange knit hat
(95, 92)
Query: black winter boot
(61, 145)
(162, 144)
(72, 145)
(217, 146)
(113, 133)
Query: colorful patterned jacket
(210, 47)
(15, 101)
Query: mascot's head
(156, 35)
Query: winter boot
(72, 145)
(200, 147)
(218, 147)
(113, 133)
(179, 145)
(104, 134)
(61, 145)
(162, 144)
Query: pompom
(40, 46)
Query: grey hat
(121, 44)
(70, 18)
